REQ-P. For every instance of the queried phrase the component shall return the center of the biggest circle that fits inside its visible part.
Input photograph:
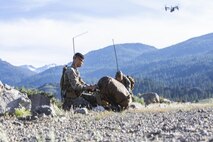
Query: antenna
(73, 40)
(115, 54)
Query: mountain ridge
(11, 74)
(125, 52)
(38, 69)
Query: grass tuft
(22, 112)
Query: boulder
(39, 100)
(45, 109)
(150, 98)
(41, 105)
(11, 98)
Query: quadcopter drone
(172, 8)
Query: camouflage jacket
(74, 85)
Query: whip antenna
(116, 58)
(73, 41)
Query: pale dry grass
(173, 107)
(209, 100)
(152, 108)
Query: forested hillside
(181, 72)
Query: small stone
(17, 123)
(81, 110)
(99, 109)
(204, 132)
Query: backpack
(62, 86)
(131, 79)
(114, 92)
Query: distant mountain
(29, 67)
(38, 70)
(105, 57)
(45, 67)
(10, 74)
(103, 62)
(194, 46)
(190, 47)
(51, 75)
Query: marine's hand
(91, 88)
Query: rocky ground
(179, 122)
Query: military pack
(62, 81)
(114, 92)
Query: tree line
(189, 90)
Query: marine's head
(119, 76)
(78, 59)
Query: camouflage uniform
(126, 82)
(74, 87)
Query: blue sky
(40, 32)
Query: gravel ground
(156, 123)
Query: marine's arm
(77, 83)
(81, 80)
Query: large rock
(45, 109)
(41, 105)
(150, 98)
(11, 98)
(39, 100)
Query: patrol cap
(79, 55)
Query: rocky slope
(188, 122)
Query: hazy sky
(39, 32)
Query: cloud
(66, 9)
(39, 32)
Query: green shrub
(138, 100)
(22, 112)
(161, 99)
(57, 102)
(29, 91)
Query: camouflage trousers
(85, 100)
